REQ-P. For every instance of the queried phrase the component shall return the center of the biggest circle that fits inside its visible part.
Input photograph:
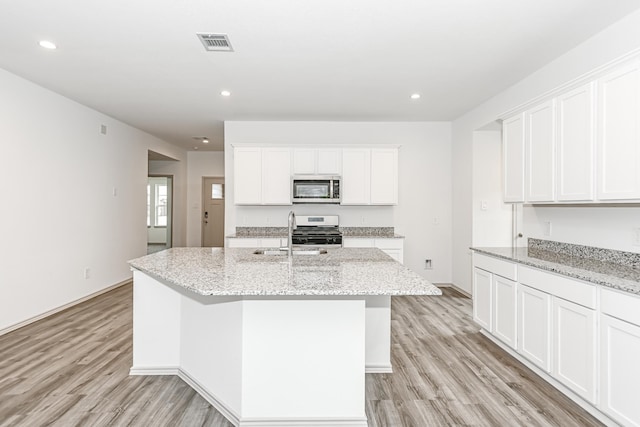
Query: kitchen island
(268, 341)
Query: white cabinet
(356, 176)
(321, 161)
(482, 300)
(574, 347)
(384, 176)
(540, 153)
(618, 139)
(247, 177)
(504, 312)
(392, 246)
(513, 150)
(534, 326)
(576, 136)
(262, 176)
(369, 176)
(619, 350)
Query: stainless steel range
(321, 230)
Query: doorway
(159, 212)
(213, 195)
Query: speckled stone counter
(380, 232)
(565, 259)
(281, 232)
(238, 271)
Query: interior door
(213, 194)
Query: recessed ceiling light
(195, 148)
(205, 140)
(47, 44)
(415, 96)
(225, 93)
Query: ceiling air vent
(215, 42)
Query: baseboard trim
(451, 285)
(579, 400)
(378, 369)
(62, 307)
(234, 418)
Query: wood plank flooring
(71, 369)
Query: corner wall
(72, 199)
(423, 213)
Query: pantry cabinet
(618, 139)
(262, 176)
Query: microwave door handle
(330, 189)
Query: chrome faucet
(291, 222)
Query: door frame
(202, 206)
(169, 242)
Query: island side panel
(378, 334)
(211, 350)
(304, 360)
(156, 327)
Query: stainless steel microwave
(315, 189)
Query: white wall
(59, 214)
(423, 213)
(201, 164)
(611, 43)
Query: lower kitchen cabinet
(574, 347)
(482, 301)
(619, 357)
(392, 246)
(534, 326)
(504, 313)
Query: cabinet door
(276, 176)
(620, 370)
(358, 242)
(392, 247)
(384, 176)
(482, 301)
(513, 158)
(504, 310)
(618, 134)
(534, 318)
(356, 176)
(328, 161)
(574, 347)
(304, 161)
(247, 177)
(576, 135)
(540, 150)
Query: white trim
(571, 84)
(304, 422)
(62, 307)
(158, 370)
(603, 418)
(378, 369)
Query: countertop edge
(573, 272)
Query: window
(217, 191)
(157, 203)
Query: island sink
(295, 252)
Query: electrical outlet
(483, 205)
(428, 265)
(87, 272)
(547, 228)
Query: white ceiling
(355, 60)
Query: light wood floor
(71, 369)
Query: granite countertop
(602, 272)
(238, 271)
(281, 232)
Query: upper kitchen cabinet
(262, 176)
(618, 138)
(576, 136)
(540, 147)
(369, 176)
(320, 161)
(356, 176)
(513, 150)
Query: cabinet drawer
(574, 290)
(618, 304)
(389, 243)
(496, 266)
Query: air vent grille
(215, 42)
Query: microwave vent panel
(215, 42)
